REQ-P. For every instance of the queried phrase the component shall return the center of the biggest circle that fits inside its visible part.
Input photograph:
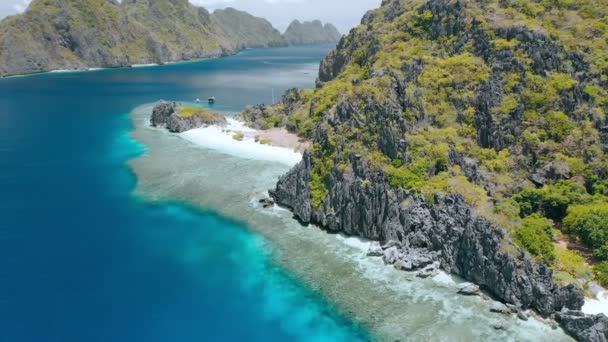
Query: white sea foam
(218, 139)
(355, 242)
(597, 305)
(143, 65)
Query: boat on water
(211, 99)
(197, 100)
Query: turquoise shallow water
(82, 259)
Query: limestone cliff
(466, 134)
(311, 33)
(71, 34)
(247, 30)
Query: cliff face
(311, 33)
(247, 30)
(69, 34)
(361, 202)
(460, 133)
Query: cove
(83, 259)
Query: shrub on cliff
(535, 235)
(601, 273)
(552, 200)
(590, 223)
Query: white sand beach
(238, 140)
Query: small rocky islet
(178, 118)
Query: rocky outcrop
(583, 327)
(258, 116)
(311, 33)
(248, 31)
(161, 113)
(168, 115)
(446, 231)
(70, 34)
(468, 289)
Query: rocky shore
(447, 234)
(179, 119)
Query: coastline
(238, 140)
(131, 66)
(381, 297)
(284, 147)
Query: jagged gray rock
(463, 243)
(498, 326)
(266, 203)
(499, 307)
(161, 113)
(375, 250)
(468, 289)
(429, 271)
(166, 114)
(583, 327)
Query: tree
(535, 236)
(590, 223)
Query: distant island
(80, 35)
(311, 33)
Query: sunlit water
(114, 231)
(83, 259)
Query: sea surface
(115, 231)
(83, 259)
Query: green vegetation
(238, 136)
(601, 273)
(590, 223)
(553, 200)
(535, 236)
(321, 169)
(481, 114)
(205, 115)
(569, 266)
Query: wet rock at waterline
(266, 203)
(375, 250)
(584, 328)
(469, 289)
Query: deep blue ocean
(82, 259)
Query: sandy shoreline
(236, 139)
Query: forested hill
(433, 106)
(77, 34)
